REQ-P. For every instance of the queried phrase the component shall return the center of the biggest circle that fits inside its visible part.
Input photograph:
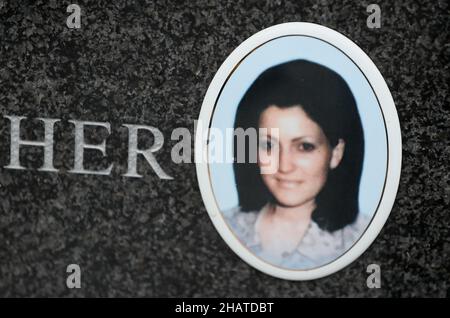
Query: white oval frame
(394, 143)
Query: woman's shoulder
(361, 222)
(237, 215)
(240, 221)
(354, 230)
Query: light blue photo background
(301, 47)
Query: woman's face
(300, 152)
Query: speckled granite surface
(151, 63)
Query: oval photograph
(298, 151)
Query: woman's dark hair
(327, 99)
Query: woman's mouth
(286, 183)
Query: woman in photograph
(304, 214)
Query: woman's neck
(281, 228)
(297, 214)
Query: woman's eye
(306, 146)
(266, 145)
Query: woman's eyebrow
(300, 138)
(269, 137)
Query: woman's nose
(285, 163)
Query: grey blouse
(318, 247)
